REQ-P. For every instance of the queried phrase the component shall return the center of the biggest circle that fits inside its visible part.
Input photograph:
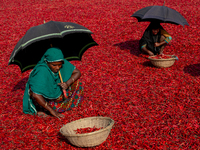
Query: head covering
(149, 39)
(43, 81)
(52, 55)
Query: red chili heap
(161, 57)
(87, 130)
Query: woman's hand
(57, 114)
(144, 49)
(157, 44)
(41, 101)
(75, 75)
(64, 85)
(150, 53)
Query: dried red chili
(152, 108)
(87, 130)
(161, 57)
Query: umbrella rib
(85, 47)
(18, 62)
(47, 35)
(28, 67)
(81, 51)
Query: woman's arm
(164, 40)
(76, 74)
(41, 101)
(144, 49)
(159, 44)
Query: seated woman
(44, 90)
(154, 39)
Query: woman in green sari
(44, 89)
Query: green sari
(43, 81)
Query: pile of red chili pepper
(153, 109)
(87, 130)
(161, 57)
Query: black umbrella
(73, 39)
(161, 14)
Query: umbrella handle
(64, 91)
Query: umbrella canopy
(161, 14)
(73, 39)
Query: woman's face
(55, 66)
(155, 31)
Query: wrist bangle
(73, 79)
(45, 105)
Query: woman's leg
(40, 110)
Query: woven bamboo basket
(88, 139)
(163, 63)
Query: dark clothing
(149, 39)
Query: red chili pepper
(87, 130)
(161, 57)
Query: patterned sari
(62, 104)
(75, 97)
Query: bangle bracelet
(73, 79)
(45, 105)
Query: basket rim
(173, 58)
(86, 134)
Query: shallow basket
(88, 139)
(162, 62)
